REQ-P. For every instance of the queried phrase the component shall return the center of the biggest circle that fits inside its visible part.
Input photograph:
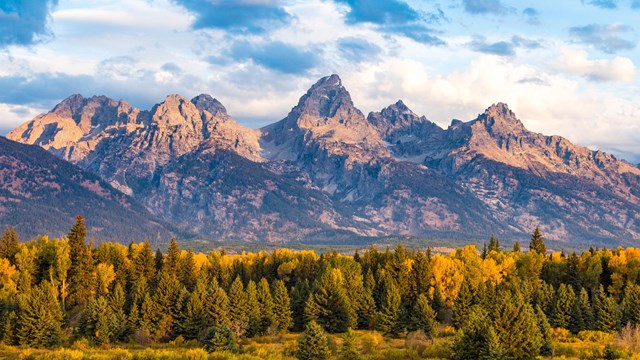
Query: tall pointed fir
(329, 305)
(217, 305)
(313, 343)
(9, 245)
(423, 317)
(607, 312)
(299, 297)
(253, 309)
(81, 276)
(537, 242)
(563, 306)
(281, 306)
(194, 317)
(367, 311)
(477, 339)
(265, 299)
(631, 304)
(462, 303)
(238, 311)
(516, 326)
(389, 313)
(39, 317)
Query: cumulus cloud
(606, 38)
(395, 17)
(24, 22)
(531, 15)
(577, 62)
(241, 16)
(486, 7)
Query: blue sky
(565, 67)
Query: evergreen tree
(187, 270)
(462, 303)
(172, 259)
(266, 306)
(149, 314)
(546, 348)
(144, 264)
(631, 304)
(348, 350)
(159, 260)
(607, 313)
(516, 326)
(39, 317)
(217, 305)
(537, 242)
(477, 339)
(194, 316)
(329, 305)
(423, 317)
(494, 244)
(313, 343)
(389, 313)
(367, 311)
(516, 247)
(253, 309)
(585, 309)
(166, 301)
(437, 303)
(9, 245)
(299, 297)
(563, 306)
(117, 303)
(81, 276)
(218, 339)
(282, 316)
(239, 311)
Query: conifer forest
(68, 298)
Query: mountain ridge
(390, 173)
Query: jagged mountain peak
(498, 118)
(207, 102)
(327, 98)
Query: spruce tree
(219, 339)
(238, 311)
(9, 245)
(423, 317)
(607, 312)
(299, 297)
(348, 350)
(253, 309)
(313, 344)
(329, 305)
(144, 264)
(81, 276)
(172, 259)
(39, 317)
(546, 348)
(563, 306)
(266, 306)
(516, 247)
(389, 313)
(494, 244)
(537, 242)
(187, 270)
(516, 326)
(282, 315)
(367, 311)
(217, 305)
(117, 303)
(194, 317)
(477, 338)
(462, 303)
(631, 304)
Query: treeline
(503, 302)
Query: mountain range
(328, 171)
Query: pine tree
(437, 303)
(144, 264)
(81, 276)
(631, 304)
(39, 317)
(194, 317)
(516, 326)
(607, 313)
(299, 297)
(238, 312)
(537, 242)
(585, 308)
(9, 328)
(165, 299)
(367, 312)
(217, 305)
(516, 247)
(266, 306)
(117, 303)
(462, 303)
(159, 260)
(253, 309)
(328, 305)
(282, 316)
(313, 344)
(477, 338)
(9, 245)
(546, 348)
(172, 259)
(219, 339)
(187, 270)
(494, 245)
(563, 306)
(389, 313)
(348, 350)
(423, 317)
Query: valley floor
(370, 345)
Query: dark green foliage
(563, 306)
(494, 244)
(606, 312)
(194, 316)
(423, 317)
(312, 344)
(39, 317)
(282, 318)
(516, 327)
(631, 304)
(329, 305)
(537, 242)
(239, 310)
(516, 247)
(218, 339)
(545, 332)
(81, 277)
(172, 259)
(266, 306)
(389, 313)
(9, 245)
(299, 297)
(462, 304)
(217, 305)
(348, 350)
(477, 338)
(253, 310)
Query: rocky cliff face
(42, 194)
(326, 169)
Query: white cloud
(576, 62)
